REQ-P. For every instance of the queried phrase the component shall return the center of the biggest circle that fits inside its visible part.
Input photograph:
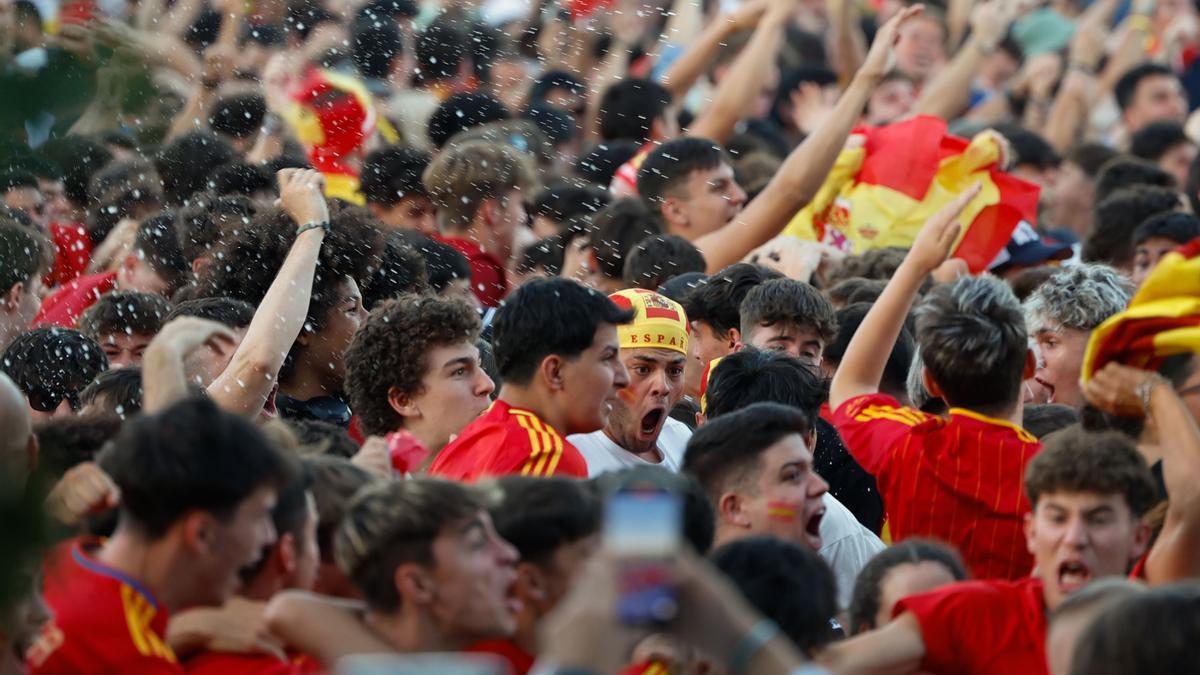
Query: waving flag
(882, 193)
(1162, 319)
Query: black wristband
(323, 225)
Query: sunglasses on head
(48, 401)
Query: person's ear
(12, 299)
(700, 419)
(731, 509)
(673, 214)
(1030, 365)
(552, 372)
(488, 209)
(733, 338)
(199, 532)
(402, 403)
(531, 585)
(931, 386)
(414, 584)
(1030, 532)
(810, 439)
(1141, 540)
(286, 552)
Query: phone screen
(642, 528)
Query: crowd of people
(340, 336)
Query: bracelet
(323, 225)
(1145, 390)
(754, 639)
(1081, 68)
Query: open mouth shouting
(812, 528)
(650, 424)
(1048, 387)
(1073, 575)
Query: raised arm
(164, 379)
(895, 649)
(746, 77)
(849, 45)
(868, 351)
(947, 95)
(803, 172)
(690, 65)
(243, 387)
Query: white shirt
(603, 455)
(846, 546)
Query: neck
(538, 401)
(305, 384)
(413, 630)
(263, 586)
(158, 565)
(651, 454)
(8, 332)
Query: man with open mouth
(654, 349)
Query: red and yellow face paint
(781, 512)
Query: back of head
(192, 456)
(461, 112)
(441, 49)
(120, 190)
(598, 164)
(787, 301)
(226, 311)
(314, 437)
(66, 441)
(895, 372)
(204, 221)
(24, 254)
(1079, 297)
(1123, 172)
(1090, 157)
(463, 176)
(657, 259)
(1105, 463)
(80, 157)
(752, 376)
(443, 263)
(238, 116)
(616, 229)
(629, 108)
(1111, 240)
(1151, 632)
(540, 515)
(1030, 148)
(389, 524)
(564, 201)
(725, 452)
(855, 290)
(52, 364)
(375, 44)
(972, 338)
(864, 603)
(157, 243)
(1044, 419)
(124, 313)
(184, 164)
(717, 302)
(548, 317)
(116, 392)
(402, 269)
(335, 481)
(1154, 140)
(1177, 227)
(787, 583)
(393, 173)
(668, 166)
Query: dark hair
(726, 450)
(855, 290)
(1029, 147)
(206, 219)
(185, 164)
(556, 79)
(895, 372)
(335, 481)
(564, 201)
(598, 164)
(548, 316)
(1178, 227)
(402, 269)
(79, 157)
(659, 258)
(24, 254)
(547, 254)
(790, 302)
(1027, 281)
(441, 49)
(191, 456)
(1045, 419)
(669, 165)
(240, 178)
(699, 518)
(972, 339)
(1111, 239)
(68, 440)
(629, 107)
(1123, 172)
(718, 301)
(751, 376)
(679, 287)
(375, 44)
(391, 351)
(443, 263)
(877, 263)
(1104, 463)
(322, 438)
(159, 246)
(555, 123)
(1090, 157)
(461, 112)
(238, 115)
(50, 364)
(616, 229)
(787, 583)
(390, 174)
(288, 516)
(1150, 632)
(1154, 140)
(868, 587)
(1126, 87)
(378, 9)
(120, 390)
(12, 179)
(126, 313)
(540, 515)
(227, 311)
(118, 191)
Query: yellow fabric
(344, 187)
(658, 322)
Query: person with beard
(654, 349)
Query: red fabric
(104, 621)
(992, 229)
(1132, 342)
(506, 440)
(223, 663)
(982, 627)
(489, 279)
(624, 180)
(957, 479)
(905, 157)
(67, 303)
(519, 661)
(72, 253)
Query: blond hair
(465, 175)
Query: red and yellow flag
(882, 193)
(1162, 319)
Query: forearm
(866, 356)
(323, 627)
(690, 65)
(614, 65)
(188, 631)
(949, 92)
(1173, 557)
(849, 43)
(743, 81)
(194, 113)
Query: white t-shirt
(846, 546)
(603, 455)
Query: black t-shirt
(848, 482)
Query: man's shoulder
(879, 407)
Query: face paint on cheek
(781, 512)
(626, 394)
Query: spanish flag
(881, 194)
(1162, 319)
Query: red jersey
(65, 305)
(489, 279)
(958, 479)
(72, 253)
(982, 627)
(224, 663)
(507, 440)
(104, 621)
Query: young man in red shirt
(558, 355)
(196, 489)
(957, 479)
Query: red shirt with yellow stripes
(507, 440)
(958, 479)
(104, 621)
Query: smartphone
(643, 530)
(421, 664)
